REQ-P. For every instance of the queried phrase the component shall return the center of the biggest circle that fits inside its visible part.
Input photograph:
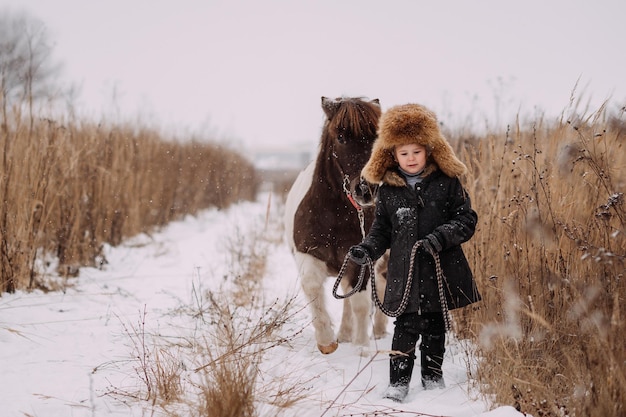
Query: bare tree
(26, 69)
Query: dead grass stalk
(67, 188)
(549, 254)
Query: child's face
(411, 158)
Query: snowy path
(61, 351)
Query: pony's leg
(312, 276)
(345, 328)
(380, 319)
(361, 307)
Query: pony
(328, 209)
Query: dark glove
(358, 254)
(431, 244)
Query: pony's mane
(358, 116)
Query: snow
(63, 351)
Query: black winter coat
(438, 205)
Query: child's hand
(431, 244)
(358, 254)
(428, 247)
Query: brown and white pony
(328, 209)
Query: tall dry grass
(67, 188)
(549, 255)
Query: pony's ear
(376, 101)
(330, 106)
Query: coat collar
(395, 178)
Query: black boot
(400, 370)
(432, 349)
(405, 336)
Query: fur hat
(403, 125)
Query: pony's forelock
(358, 116)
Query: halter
(348, 193)
(357, 206)
(406, 293)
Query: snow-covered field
(62, 351)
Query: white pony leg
(345, 328)
(313, 273)
(361, 307)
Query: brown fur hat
(402, 125)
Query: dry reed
(549, 254)
(68, 188)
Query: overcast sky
(254, 71)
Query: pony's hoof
(328, 348)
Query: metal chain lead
(357, 206)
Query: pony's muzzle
(364, 193)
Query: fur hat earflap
(403, 125)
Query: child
(420, 199)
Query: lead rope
(405, 295)
(442, 296)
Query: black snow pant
(408, 329)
